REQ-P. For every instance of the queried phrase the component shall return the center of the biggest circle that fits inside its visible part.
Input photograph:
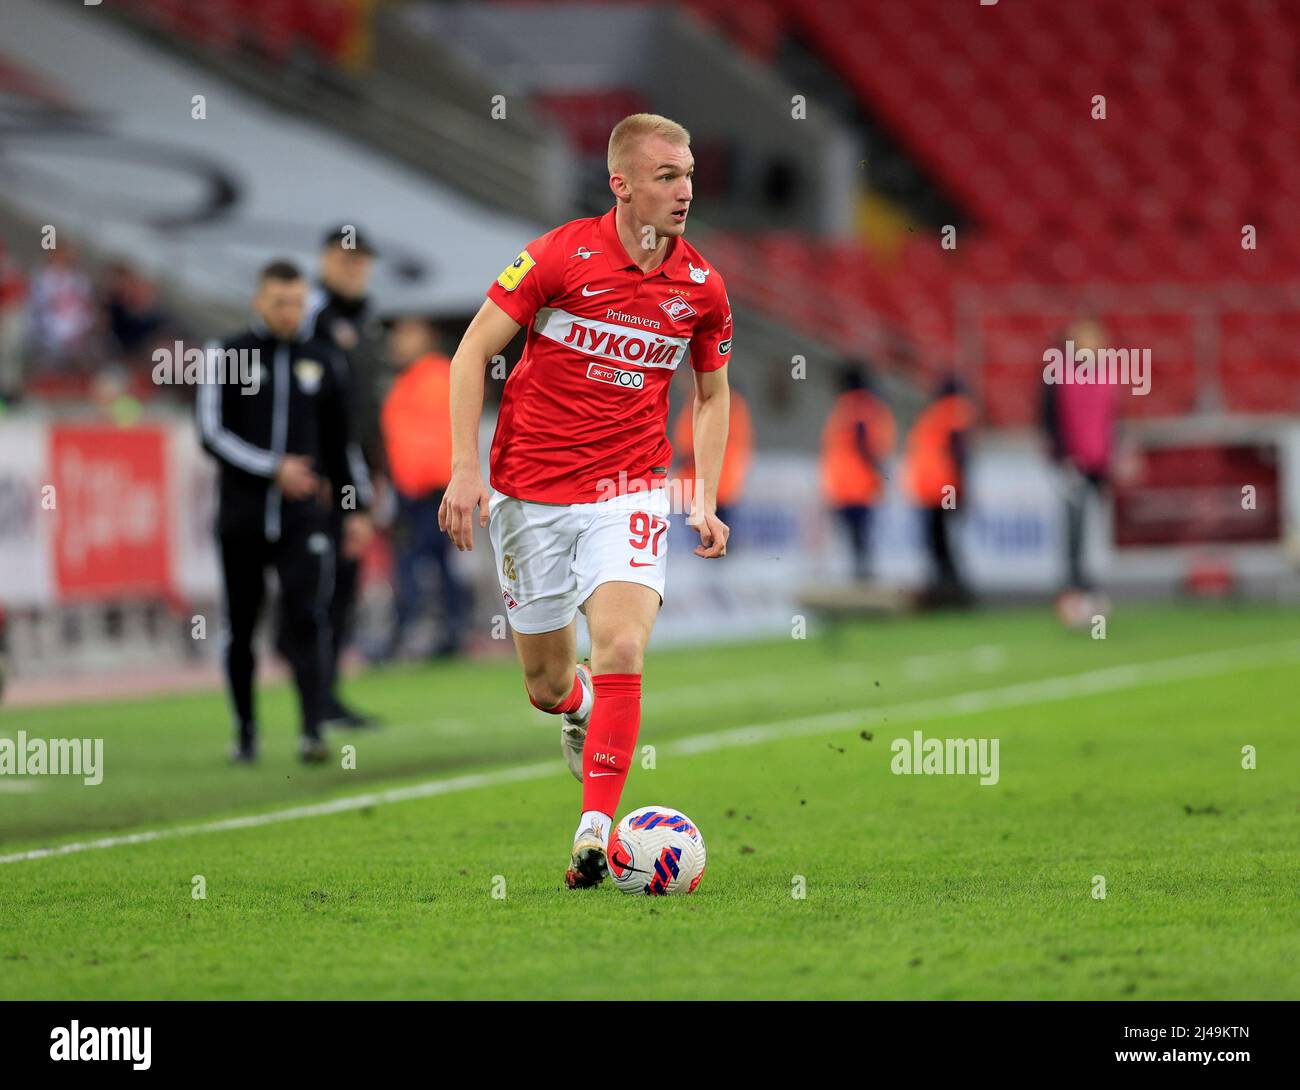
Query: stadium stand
(328, 31)
(1051, 198)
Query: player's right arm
(490, 331)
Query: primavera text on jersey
(585, 412)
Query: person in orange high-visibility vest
(416, 425)
(735, 459)
(935, 478)
(856, 441)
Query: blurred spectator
(416, 424)
(135, 317)
(1079, 419)
(13, 326)
(936, 480)
(735, 460)
(858, 437)
(63, 312)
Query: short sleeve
(529, 281)
(711, 341)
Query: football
(654, 851)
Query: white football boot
(587, 863)
(573, 731)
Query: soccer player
(577, 511)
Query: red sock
(611, 739)
(570, 703)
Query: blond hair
(628, 131)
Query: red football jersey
(585, 412)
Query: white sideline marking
(1030, 692)
(1008, 696)
(320, 809)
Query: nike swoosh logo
(641, 563)
(597, 775)
(599, 291)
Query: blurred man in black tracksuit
(288, 471)
(337, 312)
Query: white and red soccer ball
(656, 851)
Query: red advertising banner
(1189, 495)
(110, 511)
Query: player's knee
(620, 653)
(548, 688)
(546, 697)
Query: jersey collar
(617, 257)
(260, 329)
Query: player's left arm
(710, 353)
(711, 413)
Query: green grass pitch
(1119, 757)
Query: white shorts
(550, 557)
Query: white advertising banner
(785, 541)
(26, 526)
(193, 480)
